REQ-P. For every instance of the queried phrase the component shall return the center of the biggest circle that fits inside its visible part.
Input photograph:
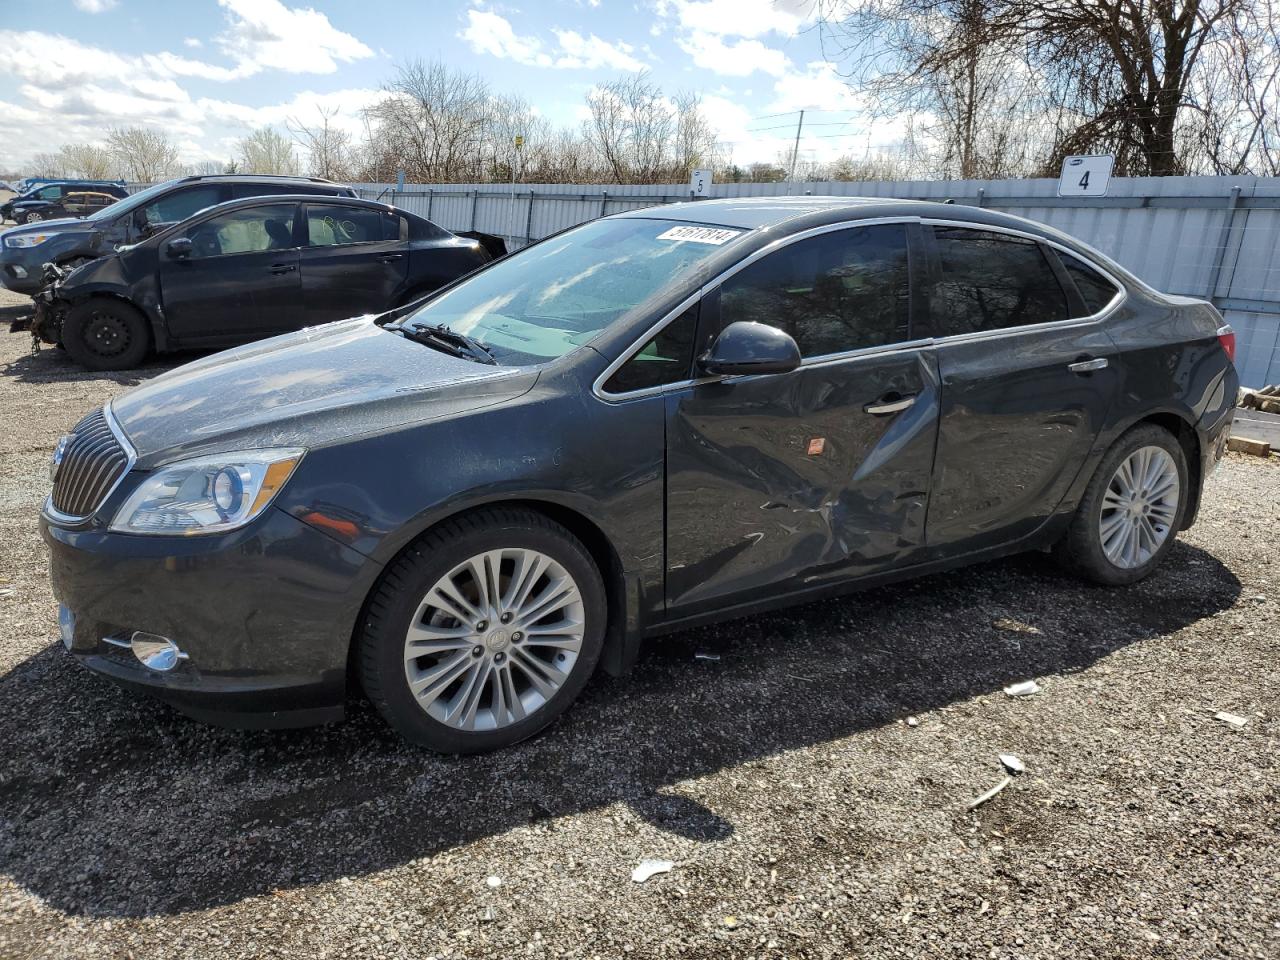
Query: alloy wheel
(34, 218)
(494, 639)
(1139, 507)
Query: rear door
(776, 483)
(241, 280)
(355, 260)
(1027, 380)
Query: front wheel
(483, 632)
(106, 334)
(1131, 511)
(34, 217)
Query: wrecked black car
(245, 270)
(70, 242)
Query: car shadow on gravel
(113, 805)
(52, 365)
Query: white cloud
(738, 18)
(193, 42)
(487, 32)
(95, 6)
(736, 58)
(817, 87)
(592, 52)
(265, 34)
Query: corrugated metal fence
(1213, 237)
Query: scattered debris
(490, 915)
(494, 882)
(713, 657)
(1015, 626)
(1023, 689)
(795, 676)
(976, 802)
(1231, 719)
(1013, 763)
(731, 923)
(649, 868)
(913, 721)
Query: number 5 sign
(1085, 176)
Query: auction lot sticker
(710, 235)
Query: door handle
(1088, 366)
(388, 258)
(882, 407)
(283, 267)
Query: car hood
(61, 225)
(306, 389)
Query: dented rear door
(782, 482)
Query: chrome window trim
(131, 458)
(1122, 294)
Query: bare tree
(142, 154)
(89, 161)
(267, 151)
(328, 146)
(639, 135)
(1038, 80)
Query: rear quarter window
(1095, 290)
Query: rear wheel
(106, 334)
(483, 632)
(1131, 511)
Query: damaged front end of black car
(48, 310)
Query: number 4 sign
(1085, 176)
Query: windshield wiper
(450, 341)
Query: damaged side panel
(781, 482)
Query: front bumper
(22, 268)
(265, 615)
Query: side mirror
(745, 348)
(179, 248)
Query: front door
(240, 281)
(354, 261)
(1026, 385)
(782, 482)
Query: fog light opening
(155, 652)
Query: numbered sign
(700, 183)
(1085, 176)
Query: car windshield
(546, 301)
(131, 203)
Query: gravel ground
(810, 785)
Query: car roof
(342, 199)
(802, 213)
(262, 177)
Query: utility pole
(791, 175)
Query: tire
(20, 218)
(33, 218)
(1112, 539)
(106, 334)
(482, 684)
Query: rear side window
(1095, 290)
(667, 358)
(990, 281)
(329, 225)
(835, 292)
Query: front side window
(50, 193)
(667, 358)
(330, 225)
(835, 292)
(181, 204)
(990, 281)
(248, 230)
(551, 298)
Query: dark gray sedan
(650, 421)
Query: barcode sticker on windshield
(700, 235)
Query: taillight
(1227, 337)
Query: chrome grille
(92, 464)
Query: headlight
(27, 239)
(208, 495)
